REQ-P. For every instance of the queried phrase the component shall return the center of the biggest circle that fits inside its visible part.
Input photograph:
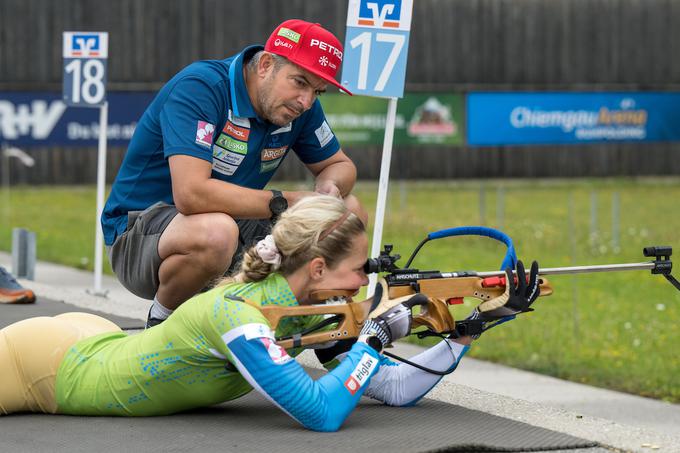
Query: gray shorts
(134, 255)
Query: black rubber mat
(11, 313)
(253, 424)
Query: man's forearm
(342, 174)
(214, 195)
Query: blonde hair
(315, 226)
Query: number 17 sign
(376, 47)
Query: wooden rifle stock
(435, 316)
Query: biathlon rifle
(443, 289)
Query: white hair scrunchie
(266, 249)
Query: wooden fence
(456, 46)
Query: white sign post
(85, 55)
(376, 48)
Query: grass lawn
(614, 330)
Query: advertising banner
(555, 118)
(421, 119)
(39, 118)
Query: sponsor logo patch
(226, 142)
(269, 154)
(224, 168)
(282, 43)
(361, 373)
(243, 122)
(324, 134)
(266, 167)
(237, 132)
(278, 355)
(322, 45)
(227, 156)
(204, 133)
(289, 34)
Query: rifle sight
(383, 263)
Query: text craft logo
(85, 45)
(282, 43)
(381, 13)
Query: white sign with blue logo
(85, 55)
(376, 47)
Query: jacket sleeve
(321, 405)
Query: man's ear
(265, 64)
(317, 268)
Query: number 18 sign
(376, 47)
(85, 55)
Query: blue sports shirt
(204, 111)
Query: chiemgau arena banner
(556, 118)
(421, 119)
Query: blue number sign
(85, 55)
(376, 47)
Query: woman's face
(349, 273)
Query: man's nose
(306, 99)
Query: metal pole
(6, 153)
(593, 217)
(616, 220)
(482, 204)
(500, 207)
(574, 279)
(101, 183)
(382, 188)
(5, 184)
(649, 265)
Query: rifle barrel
(649, 265)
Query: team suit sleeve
(321, 405)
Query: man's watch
(277, 204)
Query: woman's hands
(395, 323)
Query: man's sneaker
(150, 321)
(11, 292)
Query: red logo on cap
(309, 46)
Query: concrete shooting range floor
(11, 313)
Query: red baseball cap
(309, 46)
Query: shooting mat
(253, 424)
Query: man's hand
(395, 323)
(295, 196)
(327, 187)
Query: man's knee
(354, 205)
(214, 238)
